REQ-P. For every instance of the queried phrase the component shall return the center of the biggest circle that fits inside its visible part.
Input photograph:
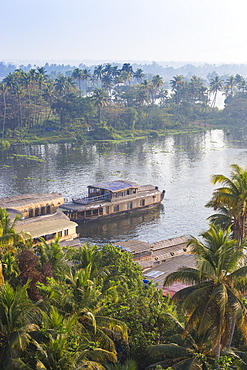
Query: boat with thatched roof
(112, 198)
(32, 205)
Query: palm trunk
(217, 354)
(4, 114)
(232, 329)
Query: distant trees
(32, 102)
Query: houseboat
(112, 198)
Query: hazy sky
(123, 30)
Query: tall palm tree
(86, 76)
(156, 84)
(77, 75)
(3, 91)
(100, 99)
(215, 85)
(213, 302)
(139, 75)
(231, 201)
(229, 86)
(99, 72)
(240, 82)
(177, 84)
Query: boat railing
(87, 200)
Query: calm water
(180, 164)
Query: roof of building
(45, 225)
(170, 242)
(30, 200)
(134, 246)
(117, 185)
(163, 248)
(158, 273)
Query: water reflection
(117, 228)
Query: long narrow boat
(112, 198)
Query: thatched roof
(44, 225)
(20, 202)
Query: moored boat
(112, 198)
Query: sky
(76, 31)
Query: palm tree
(139, 75)
(3, 91)
(18, 318)
(231, 201)
(42, 77)
(182, 353)
(100, 99)
(229, 86)
(213, 303)
(53, 254)
(99, 72)
(240, 82)
(215, 85)
(86, 76)
(177, 84)
(9, 239)
(156, 84)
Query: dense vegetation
(89, 307)
(110, 102)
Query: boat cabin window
(88, 213)
(30, 212)
(48, 209)
(60, 234)
(107, 210)
(43, 209)
(129, 205)
(116, 208)
(66, 232)
(36, 211)
(142, 202)
(95, 212)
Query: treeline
(108, 101)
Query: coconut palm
(18, 318)
(100, 99)
(215, 85)
(177, 84)
(229, 86)
(139, 75)
(86, 76)
(9, 239)
(156, 85)
(53, 254)
(231, 201)
(77, 75)
(213, 301)
(98, 72)
(3, 91)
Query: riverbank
(57, 137)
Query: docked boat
(112, 198)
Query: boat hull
(117, 214)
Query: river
(180, 164)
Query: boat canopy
(114, 186)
